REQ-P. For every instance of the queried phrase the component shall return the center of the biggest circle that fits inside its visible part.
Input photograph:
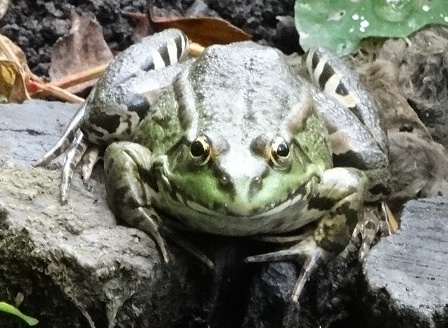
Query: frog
(232, 143)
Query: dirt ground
(36, 25)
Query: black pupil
(197, 149)
(282, 149)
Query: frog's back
(243, 89)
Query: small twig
(80, 77)
(47, 88)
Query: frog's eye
(200, 150)
(279, 151)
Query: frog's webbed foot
(89, 159)
(79, 150)
(72, 158)
(340, 198)
(188, 247)
(371, 222)
(308, 249)
(76, 146)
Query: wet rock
(75, 260)
(406, 273)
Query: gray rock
(75, 260)
(27, 131)
(407, 273)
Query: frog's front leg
(119, 101)
(339, 203)
(127, 195)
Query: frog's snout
(255, 184)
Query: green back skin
(240, 103)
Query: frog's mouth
(179, 201)
(271, 209)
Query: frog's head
(231, 175)
(248, 147)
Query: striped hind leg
(74, 155)
(66, 140)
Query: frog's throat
(180, 200)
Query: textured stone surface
(28, 131)
(75, 259)
(407, 273)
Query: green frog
(233, 143)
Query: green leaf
(339, 25)
(5, 307)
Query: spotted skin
(268, 144)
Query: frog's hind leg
(74, 155)
(66, 140)
(338, 204)
(308, 248)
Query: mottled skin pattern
(235, 144)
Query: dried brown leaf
(83, 49)
(203, 30)
(206, 30)
(14, 71)
(12, 82)
(10, 51)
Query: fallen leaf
(83, 49)
(12, 82)
(14, 71)
(203, 30)
(207, 30)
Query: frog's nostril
(255, 185)
(225, 181)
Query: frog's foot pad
(307, 249)
(371, 222)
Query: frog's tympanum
(232, 143)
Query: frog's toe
(89, 160)
(66, 140)
(146, 220)
(372, 222)
(306, 249)
(368, 226)
(72, 158)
